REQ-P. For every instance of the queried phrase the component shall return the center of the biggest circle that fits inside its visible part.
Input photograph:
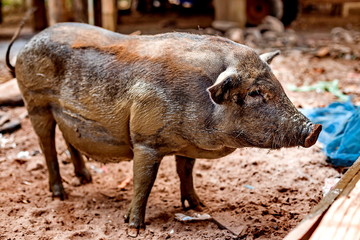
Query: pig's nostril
(313, 136)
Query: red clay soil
(256, 193)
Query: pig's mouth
(305, 138)
(313, 136)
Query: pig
(118, 97)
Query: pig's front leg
(146, 165)
(184, 167)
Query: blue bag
(341, 131)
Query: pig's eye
(255, 93)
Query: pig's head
(252, 108)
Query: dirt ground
(255, 193)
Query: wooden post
(39, 16)
(231, 10)
(94, 12)
(97, 13)
(57, 11)
(23, 5)
(91, 9)
(1, 17)
(80, 10)
(237, 11)
(109, 14)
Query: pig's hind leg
(44, 125)
(184, 168)
(79, 165)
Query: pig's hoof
(84, 176)
(193, 203)
(135, 222)
(134, 232)
(135, 225)
(58, 192)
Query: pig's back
(91, 70)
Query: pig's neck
(220, 128)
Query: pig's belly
(92, 139)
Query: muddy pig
(117, 97)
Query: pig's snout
(313, 135)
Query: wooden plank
(354, 233)
(342, 217)
(304, 229)
(308, 225)
(343, 187)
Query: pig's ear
(268, 57)
(220, 91)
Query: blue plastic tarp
(341, 131)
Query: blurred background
(159, 15)
(256, 23)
